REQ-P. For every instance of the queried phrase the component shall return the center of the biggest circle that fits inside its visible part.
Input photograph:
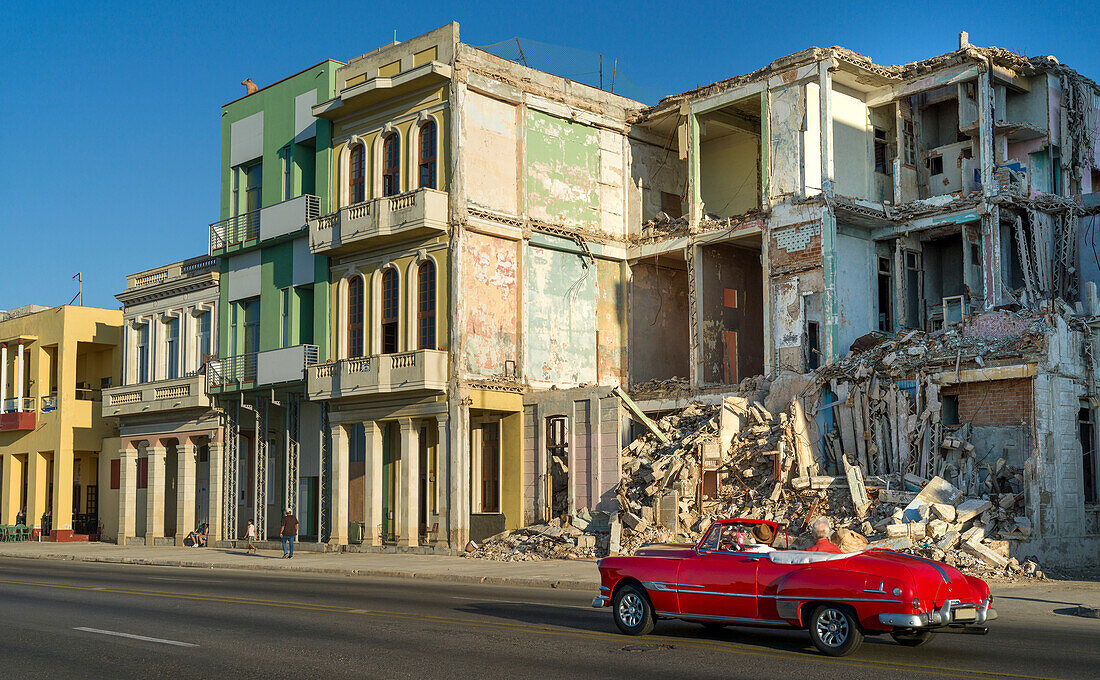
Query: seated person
(821, 532)
(746, 538)
(198, 537)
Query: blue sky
(111, 123)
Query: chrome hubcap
(832, 628)
(630, 610)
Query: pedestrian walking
(288, 532)
(251, 535)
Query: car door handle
(750, 559)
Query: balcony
(424, 370)
(13, 417)
(163, 395)
(380, 220)
(260, 369)
(251, 228)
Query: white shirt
(252, 531)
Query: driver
(742, 538)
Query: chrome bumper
(601, 600)
(943, 616)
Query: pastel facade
(54, 364)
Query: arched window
(389, 312)
(355, 317)
(427, 155)
(357, 174)
(391, 165)
(425, 305)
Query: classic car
(734, 576)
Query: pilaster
(408, 506)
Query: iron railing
(232, 370)
(11, 404)
(245, 227)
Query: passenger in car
(821, 530)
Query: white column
(442, 470)
(127, 494)
(185, 489)
(338, 534)
(154, 513)
(3, 375)
(373, 484)
(19, 379)
(408, 496)
(214, 514)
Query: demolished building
(805, 217)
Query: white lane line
(100, 588)
(136, 637)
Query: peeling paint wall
(610, 323)
(733, 314)
(853, 146)
(787, 113)
(559, 292)
(490, 292)
(489, 151)
(659, 325)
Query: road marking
(136, 637)
(541, 604)
(728, 648)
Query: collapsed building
(916, 241)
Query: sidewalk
(565, 574)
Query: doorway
(557, 463)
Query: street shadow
(599, 621)
(1032, 599)
(1076, 610)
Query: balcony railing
(407, 371)
(414, 213)
(11, 405)
(271, 367)
(162, 395)
(49, 403)
(263, 224)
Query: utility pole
(79, 291)
(614, 69)
(601, 71)
(521, 57)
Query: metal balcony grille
(231, 370)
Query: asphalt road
(62, 620)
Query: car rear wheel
(632, 611)
(834, 630)
(913, 638)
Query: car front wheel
(632, 611)
(834, 630)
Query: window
(885, 294)
(355, 317)
(357, 174)
(425, 305)
(490, 468)
(671, 205)
(172, 348)
(389, 312)
(253, 183)
(143, 354)
(391, 165)
(935, 165)
(250, 310)
(914, 290)
(143, 472)
(204, 338)
(882, 161)
(908, 139)
(427, 155)
(284, 313)
(287, 155)
(1088, 451)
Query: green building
(274, 297)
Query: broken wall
(655, 171)
(793, 150)
(560, 312)
(732, 342)
(857, 286)
(491, 297)
(659, 326)
(729, 173)
(611, 360)
(853, 145)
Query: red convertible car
(734, 577)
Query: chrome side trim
(730, 619)
(604, 589)
(833, 599)
(881, 589)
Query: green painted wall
(563, 168)
(560, 308)
(311, 161)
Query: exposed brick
(993, 402)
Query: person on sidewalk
(250, 534)
(288, 532)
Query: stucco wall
(732, 341)
(852, 146)
(491, 293)
(856, 288)
(560, 312)
(729, 169)
(658, 322)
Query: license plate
(967, 614)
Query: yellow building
(54, 362)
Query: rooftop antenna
(395, 35)
(79, 291)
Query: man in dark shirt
(288, 532)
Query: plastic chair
(20, 532)
(4, 528)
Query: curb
(523, 582)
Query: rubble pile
(888, 473)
